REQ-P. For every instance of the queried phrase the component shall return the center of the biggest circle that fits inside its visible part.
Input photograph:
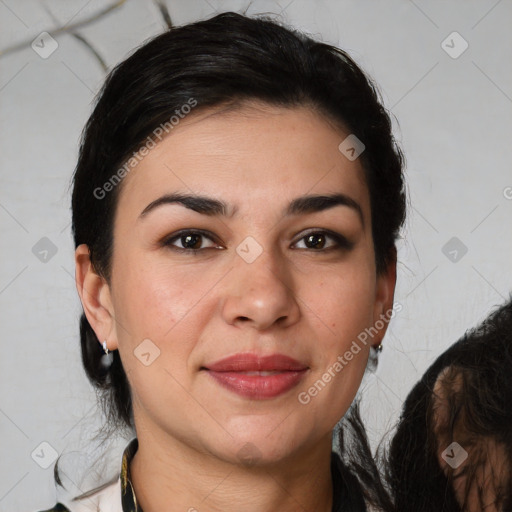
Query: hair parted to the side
(465, 396)
(226, 59)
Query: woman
(452, 451)
(236, 203)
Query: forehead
(252, 155)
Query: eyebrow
(216, 207)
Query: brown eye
(190, 241)
(317, 240)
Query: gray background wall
(455, 126)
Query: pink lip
(231, 373)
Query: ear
(384, 295)
(96, 299)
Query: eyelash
(341, 243)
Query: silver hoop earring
(373, 358)
(107, 358)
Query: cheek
(152, 311)
(344, 302)
(164, 304)
(153, 298)
(148, 305)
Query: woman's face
(272, 274)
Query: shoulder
(58, 507)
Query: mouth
(252, 376)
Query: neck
(169, 475)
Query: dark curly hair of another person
(465, 397)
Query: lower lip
(258, 386)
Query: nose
(261, 294)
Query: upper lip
(248, 362)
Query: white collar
(107, 499)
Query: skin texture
(301, 300)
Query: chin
(266, 446)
